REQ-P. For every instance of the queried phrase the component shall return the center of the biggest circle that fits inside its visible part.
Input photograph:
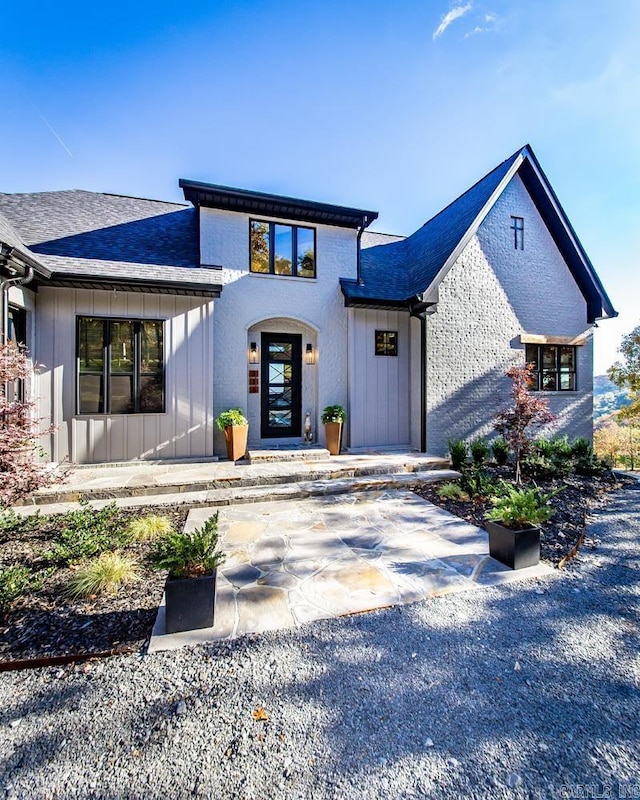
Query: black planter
(516, 549)
(189, 603)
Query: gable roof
(14, 252)
(100, 240)
(406, 273)
(212, 195)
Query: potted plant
(235, 427)
(192, 560)
(513, 525)
(332, 419)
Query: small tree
(626, 374)
(527, 412)
(20, 471)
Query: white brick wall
(248, 299)
(492, 294)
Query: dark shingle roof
(403, 269)
(399, 272)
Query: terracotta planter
(235, 438)
(333, 432)
(515, 549)
(189, 603)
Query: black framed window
(277, 249)
(386, 343)
(517, 226)
(17, 332)
(554, 367)
(120, 366)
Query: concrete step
(261, 493)
(228, 476)
(278, 455)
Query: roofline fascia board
(210, 289)
(577, 244)
(351, 217)
(11, 255)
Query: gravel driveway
(527, 690)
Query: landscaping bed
(44, 622)
(576, 496)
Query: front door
(281, 385)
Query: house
(145, 319)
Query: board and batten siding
(379, 385)
(184, 430)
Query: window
(554, 367)
(17, 332)
(120, 366)
(282, 249)
(386, 343)
(517, 226)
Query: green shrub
(452, 491)
(500, 450)
(333, 414)
(14, 582)
(106, 573)
(477, 482)
(188, 555)
(145, 529)
(581, 447)
(518, 508)
(479, 451)
(549, 458)
(231, 417)
(13, 525)
(459, 450)
(88, 532)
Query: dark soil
(578, 495)
(44, 623)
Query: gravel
(528, 690)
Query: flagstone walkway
(289, 563)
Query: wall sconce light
(310, 356)
(253, 353)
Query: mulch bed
(45, 624)
(561, 534)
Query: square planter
(189, 603)
(235, 439)
(333, 433)
(515, 549)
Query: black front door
(281, 385)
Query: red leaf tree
(528, 411)
(20, 471)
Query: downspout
(363, 225)
(423, 382)
(5, 285)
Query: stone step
(228, 477)
(262, 493)
(287, 454)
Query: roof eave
(229, 198)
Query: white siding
(314, 307)
(379, 385)
(186, 427)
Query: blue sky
(397, 107)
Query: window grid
(554, 367)
(517, 226)
(112, 375)
(285, 250)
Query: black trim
(77, 281)
(106, 373)
(212, 195)
(295, 429)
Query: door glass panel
(279, 351)
(306, 253)
(280, 373)
(283, 262)
(279, 397)
(279, 419)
